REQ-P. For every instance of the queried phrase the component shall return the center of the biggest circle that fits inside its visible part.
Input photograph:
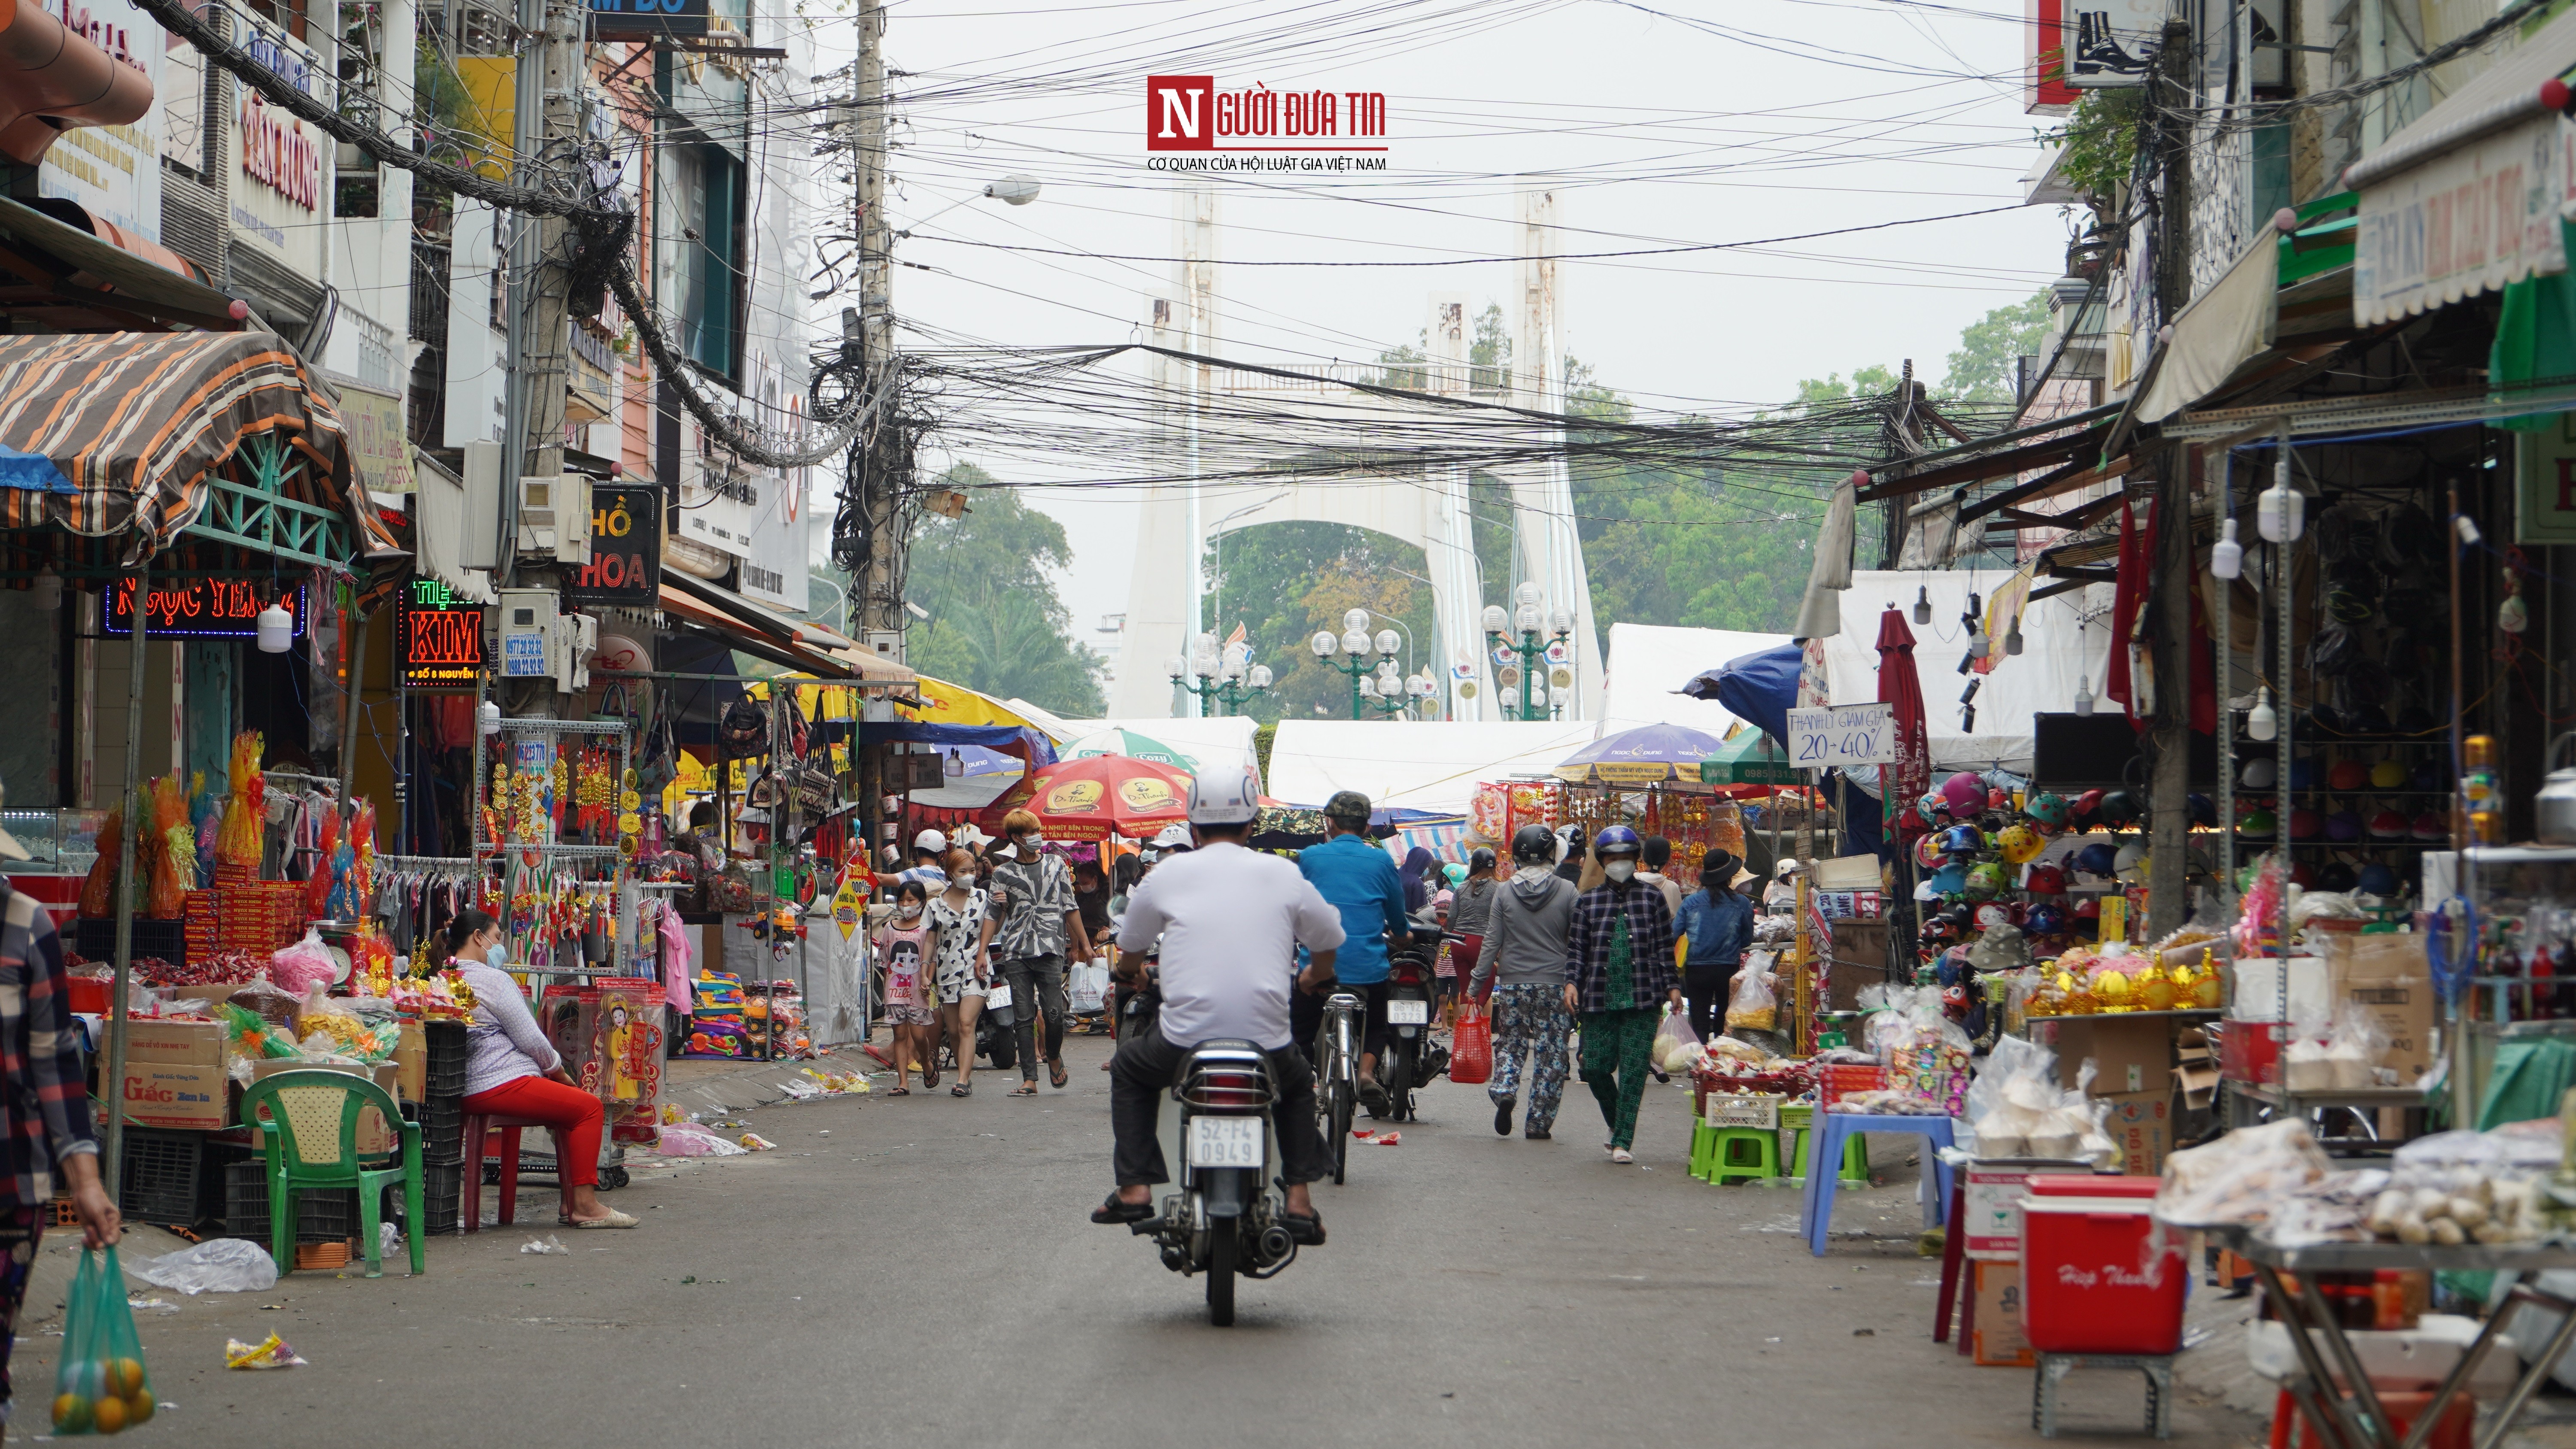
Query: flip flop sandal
(1024, 1089)
(930, 1079)
(1305, 1232)
(962, 1089)
(899, 1092)
(1055, 1074)
(1112, 1212)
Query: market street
(917, 1270)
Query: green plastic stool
(1726, 1163)
(1703, 1149)
(1801, 1120)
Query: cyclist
(1358, 878)
(1230, 921)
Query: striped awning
(144, 425)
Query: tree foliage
(1982, 369)
(1283, 583)
(996, 624)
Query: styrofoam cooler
(2093, 1278)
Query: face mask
(964, 879)
(1620, 870)
(1029, 844)
(907, 911)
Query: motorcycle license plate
(1408, 1013)
(1225, 1142)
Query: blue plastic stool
(1837, 1128)
(1798, 1131)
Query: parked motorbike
(1412, 1060)
(993, 1035)
(1224, 1221)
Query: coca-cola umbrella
(1901, 687)
(1095, 798)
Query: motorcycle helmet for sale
(1950, 880)
(1992, 914)
(2047, 810)
(2088, 908)
(1985, 880)
(2101, 858)
(2204, 811)
(1938, 930)
(2259, 773)
(1961, 842)
(1929, 854)
(2344, 826)
(2119, 808)
(2303, 875)
(2306, 824)
(2259, 823)
(1534, 845)
(2020, 844)
(2348, 775)
(2431, 826)
(1954, 1002)
(2387, 825)
(2045, 880)
(2388, 775)
(2376, 880)
(1934, 805)
(2044, 920)
(2303, 773)
(1965, 792)
(2337, 876)
(1997, 798)
(2131, 862)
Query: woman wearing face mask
(1620, 956)
(957, 933)
(512, 1071)
(903, 944)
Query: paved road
(918, 1271)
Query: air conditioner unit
(554, 518)
(575, 639)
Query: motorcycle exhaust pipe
(1275, 1244)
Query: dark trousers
(1037, 987)
(1142, 1071)
(1708, 987)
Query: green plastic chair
(311, 1137)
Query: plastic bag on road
(688, 1139)
(219, 1265)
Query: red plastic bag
(1471, 1052)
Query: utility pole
(546, 121)
(880, 605)
(2169, 835)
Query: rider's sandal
(1305, 1232)
(1111, 1211)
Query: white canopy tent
(1649, 661)
(1431, 767)
(2057, 647)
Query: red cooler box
(2092, 1279)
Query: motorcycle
(993, 1035)
(1411, 1060)
(1225, 1220)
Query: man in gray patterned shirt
(1033, 924)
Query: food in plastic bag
(2354, 1050)
(271, 1352)
(217, 1265)
(1752, 1007)
(688, 1139)
(2241, 1177)
(1672, 1039)
(304, 967)
(100, 1385)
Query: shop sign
(441, 638)
(113, 172)
(646, 20)
(2468, 220)
(1842, 736)
(625, 548)
(375, 432)
(2545, 495)
(277, 196)
(523, 656)
(197, 608)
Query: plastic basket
(442, 1193)
(326, 1215)
(161, 1176)
(444, 1053)
(1757, 1110)
(1837, 1080)
(322, 1215)
(442, 1129)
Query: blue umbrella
(31, 472)
(1646, 755)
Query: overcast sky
(1708, 123)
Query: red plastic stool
(2459, 1421)
(479, 1127)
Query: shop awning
(2224, 328)
(942, 702)
(2467, 197)
(218, 434)
(756, 631)
(97, 278)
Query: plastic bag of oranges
(101, 1386)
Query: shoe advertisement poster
(2113, 42)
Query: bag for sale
(1753, 1007)
(1471, 1058)
(100, 1386)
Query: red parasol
(1900, 686)
(1098, 796)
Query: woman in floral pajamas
(957, 924)
(1524, 957)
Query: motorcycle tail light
(1230, 1089)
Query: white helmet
(930, 840)
(1173, 837)
(1219, 797)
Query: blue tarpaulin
(1761, 688)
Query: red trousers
(577, 1118)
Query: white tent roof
(1412, 766)
(1213, 741)
(2040, 678)
(1649, 661)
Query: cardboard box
(411, 1064)
(176, 1040)
(2389, 976)
(374, 1133)
(1992, 1217)
(188, 1096)
(1997, 1341)
(2129, 1055)
(2142, 1124)
(217, 992)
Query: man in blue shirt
(1359, 880)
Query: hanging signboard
(1842, 736)
(646, 20)
(197, 608)
(440, 638)
(625, 548)
(848, 904)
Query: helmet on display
(2303, 773)
(2387, 825)
(2087, 803)
(1997, 798)
(2204, 811)
(1224, 797)
(2118, 808)
(1962, 841)
(2047, 810)
(2303, 875)
(2044, 920)
(2045, 880)
(1985, 880)
(1954, 1002)
(2344, 826)
(1965, 792)
(1933, 804)
(1938, 929)
(2306, 824)
(2431, 826)
(2088, 908)
(2388, 775)
(1618, 841)
(1991, 915)
(2337, 876)
(1534, 845)
(2258, 822)
(2021, 844)
(2260, 773)
(2348, 775)
(2099, 858)
(2132, 858)
(1929, 854)
(2376, 880)
(1950, 879)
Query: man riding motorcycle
(1230, 922)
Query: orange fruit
(108, 1415)
(141, 1403)
(71, 1413)
(124, 1376)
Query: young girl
(903, 943)
(963, 972)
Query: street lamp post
(1232, 682)
(1356, 644)
(1531, 646)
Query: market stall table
(2355, 1419)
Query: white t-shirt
(1231, 921)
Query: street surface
(912, 1271)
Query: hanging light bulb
(2263, 722)
(276, 628)
(2281, 513)
(490, 717)
(2012, 636)
(1922, 604)
(2083, 696)
(47, 592)
(2227, 556)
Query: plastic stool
(480, 1130)
(1726, 1164)
(2158, 1367)
(1840, 1128)
(1801, 1121)
(1703, 1149)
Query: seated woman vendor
(511, 1071)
